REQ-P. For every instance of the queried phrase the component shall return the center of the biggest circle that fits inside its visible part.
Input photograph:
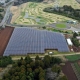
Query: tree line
(66, 10)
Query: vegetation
(1, 16)
(77, 67)
(27, 69)
(73, 57)
(36, 15)
(1, 9)
(56, 69)
(60, 25)
(75, 40)
(63, 78)
(4, 61)
(66, 10)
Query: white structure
(78, 37)
(69, 42)
(73, 22)
(2, 1)
(50, 53)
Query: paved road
(74, 29)
(33, 57)
(3, 23)
(78, 1)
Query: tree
(47, 61)
(75, 34)
(29, 70)
(37, 64)
(28, 66)
(36, 71)
(28, 59)
(41, 63)
(44, 27)
(63, 78)
(56, 69)
(37, 58)
(75, 42)
(32, 64)
(17, 78)
(23, 77)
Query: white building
(69, 42)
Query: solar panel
(27, 40)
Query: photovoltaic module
(28, 40)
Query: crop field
(73, 57)
(32, 12)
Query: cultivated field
(5, 35)
(68, 71)
(32, 12)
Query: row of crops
(75, 63)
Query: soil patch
(5, 35)
(68, 71)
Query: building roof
(69, 41)
(27, 40)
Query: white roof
(69, 42)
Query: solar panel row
(27, 40)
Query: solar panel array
(27, 40)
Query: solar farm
(26, 40)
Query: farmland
(73, 57)
(5, 35)
(32, 12)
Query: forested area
(66, 10)
(28, 69)
(4, 61)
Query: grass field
(32, 12)
(60, 25)
(73, 57)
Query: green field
(73, 57)
(61, 25)
(32, 13)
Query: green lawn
(73, 57)
(61, 25)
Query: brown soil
(68, 71)
(5, 35)
(76, 49)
